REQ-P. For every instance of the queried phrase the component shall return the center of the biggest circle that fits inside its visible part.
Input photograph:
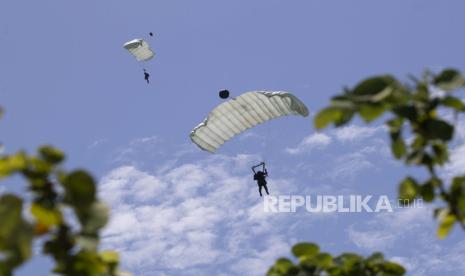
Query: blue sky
(66, 80)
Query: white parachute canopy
(140, 49)
(239, 114)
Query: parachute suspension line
(267, 144)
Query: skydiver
(146, 76)
(260, 177)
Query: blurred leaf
(406, 111)
(427, 191)
(395, 125)
(438, 129)
(93, 218)
(374, 85)
(305, 249)
(453, 102)
(398, 147)
(46, 216)
(392, 269)
(39, 167)
(408, 189)
(87, 242)
(87, 263)
(79, 189)
(327, 116)
(15, 233)
(111, 257)
(10, 214)
(51, 154)
(370, 112)
(449, 79)
(283, 265)
(445, 225)
(323, 260)
(441, 153)
(13, 163)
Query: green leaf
(374, 85)
(110, 257)
(398, 147)
(457, 194)
(327, 116)
(305, 249)
(93, 218)
(87, 242)
(323, 260)
(79, 189)
(408, 189)
(13, 163)
(15, 233)
(445, 226)
(87, 263)
(370, 112)
(10, 214)
(449, 79)
(453, 102)
(427, 191)
(283, 265)
(438, 129)
(406, 111)
(395, 125)
(393, 269)
(441, 153)
(46, 216)
(51, 154)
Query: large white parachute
(239, 114)
(140, 49)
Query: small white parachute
(241, 113)
(140, 49)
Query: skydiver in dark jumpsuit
(260, 177)
(146, 76)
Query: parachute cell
(239, 114)
(140, 49)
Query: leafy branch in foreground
(414, 109)
(54, 191)
(313, 262)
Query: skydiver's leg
(266, 189)
(260, 189)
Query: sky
(65, 80)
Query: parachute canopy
(239, 114)
(140, 49)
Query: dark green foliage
(311, 262)
(75, 251)
(413, 109)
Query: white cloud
(408, 236)
(349, 166)
(386, 229)
(191, 215)
(317, 140)
(353, 132)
